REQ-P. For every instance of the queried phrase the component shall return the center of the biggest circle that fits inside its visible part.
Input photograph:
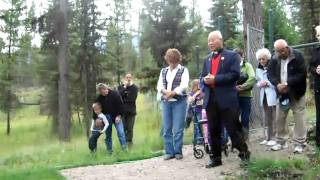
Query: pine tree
(12, 24)
(88, 58)
(228, 11)
(117, 34)
(165, 27)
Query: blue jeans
(173, 116)
(93, 140)
(120, 133)
(245, 108)
(197, 134)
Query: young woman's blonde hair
(173, 54)
(195, 85)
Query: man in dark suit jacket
(220, 73)
(287, 71)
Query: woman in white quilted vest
(172, 86)
(268, 96)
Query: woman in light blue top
(268, 96)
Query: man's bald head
(282, 49)
(215, 40)
(215, 34)
(280, 43)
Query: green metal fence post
(197, 58)
(271, 37)
(220, 25)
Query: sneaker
(279, 147)
(178, 156)
(264, 142)
(298, 149)
(271, 143)
(167, 157)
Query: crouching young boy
(99, 126)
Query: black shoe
(207, 148)
(167, 157)
(245, 156)
(178, 156)
(214, 163)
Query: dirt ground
(187, 169)
(158, 169)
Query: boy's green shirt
(248, 85)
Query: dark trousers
(245, 110)
(230, 119)
(93, 140)
(128, 123)
(317, 99)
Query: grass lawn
(32, 152)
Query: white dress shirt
(284, 70)
(171, 74)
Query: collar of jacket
(213, 53)
(179, 66)
(291, 55)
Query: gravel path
(158, 169)
(187, 169)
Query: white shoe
(298, 149)
(279, 147)
(263, 142)
(271, 143)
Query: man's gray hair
(101, 86)
(263, 52)
(216, 34)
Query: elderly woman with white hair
(268, 96)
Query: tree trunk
(88, 77)
(8, 103)
(252, 15)
(8, 112)
(64, 106)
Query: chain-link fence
(255, 41)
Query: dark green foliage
(306, 15)
(229, 13)
(165, 27)
(283, 28)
